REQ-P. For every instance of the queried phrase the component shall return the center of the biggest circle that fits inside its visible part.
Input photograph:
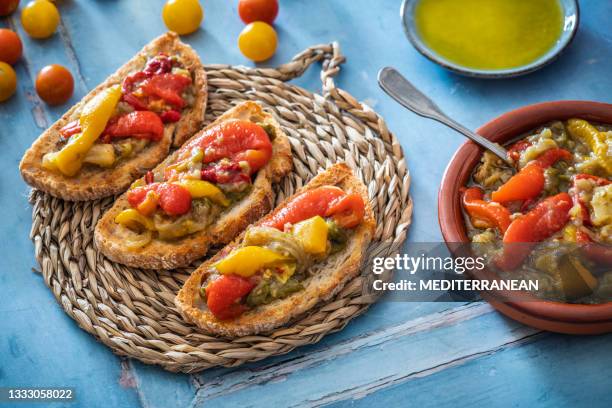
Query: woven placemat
(132, 311)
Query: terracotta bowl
(545, 315)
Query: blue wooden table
(397, 354)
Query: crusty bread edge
(94, 182)
(280, 312)
(169, 255)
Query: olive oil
(489, 34)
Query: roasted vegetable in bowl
(550, 217)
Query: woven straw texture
(132, 311)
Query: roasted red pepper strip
(173, 199)
(170, 116)
(237, 141)
(346, 209)
(490, 213)
(526, 184)
(70, 129)
(529, 182)
(223, 296)
(168, 87)
(137, 124)
(551, 156)
(545, 219)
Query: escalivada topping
(136, 110)
(548, 217)
(211, 172)
(273, 258)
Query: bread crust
(333, 274)
(93, 182)
(169, 255)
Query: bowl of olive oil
(490, 38)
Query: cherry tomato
(7, 7)
(257, 41)
(40, 18)
(258, 10)
(54, 84)
(182, 16)
(8, 81)
(10, 46)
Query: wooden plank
(379, 360)
(550, 372)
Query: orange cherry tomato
(10, 46)
(8, 81)
(8, 7)
(40, 18)
(258, 10)
(54, 84)
(258, 41)
(182, 16)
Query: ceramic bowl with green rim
(490, 38)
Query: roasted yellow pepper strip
(248, 260)
(312, 234)
(93, 120)
(582, 130)
(134, 220)
(204, 189)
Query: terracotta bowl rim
(503, 129)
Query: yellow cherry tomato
(8, 81)
(40, 18)
(258, 41)
(182, 16)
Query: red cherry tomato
(167, 87)
(8, 7)
(223, 294)
(54, 84)
(174, 199)
(258, 10)
(10, 46)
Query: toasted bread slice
(328, 278)
(173, 254)
(93, 182)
